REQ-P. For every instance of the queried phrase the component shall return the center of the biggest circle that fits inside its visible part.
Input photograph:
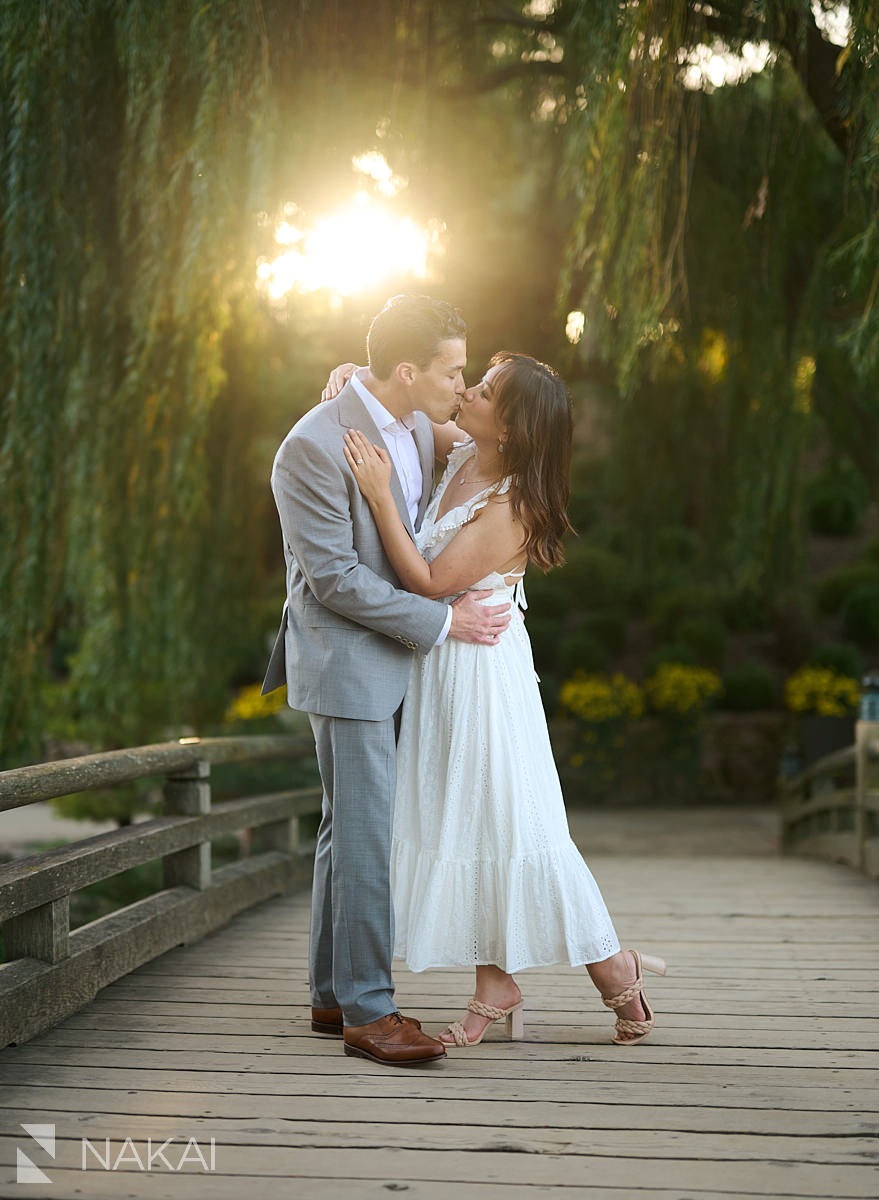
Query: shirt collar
(383, 419)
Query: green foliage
(733, 316)
(694, 601)
(120, 804)
(860, 616)
(748, 688)
(835, 503)
(679, 691)
(608, 626)
(834, 587)
(705, 637)
(842, 657)
(677, 545)
(549, 598)
(130, 138)
(821, 691)
(582, 651)
(596, 577)
(667, 654)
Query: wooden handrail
(50, 971)
(824, 816)
(45, 781)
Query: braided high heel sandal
(637, 1029)
(515, 1025)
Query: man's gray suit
(344, 650)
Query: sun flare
(354, 248)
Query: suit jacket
(348, 630)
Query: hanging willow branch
(129, 146)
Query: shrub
(677, 604)
(550, 596)
(670, 652)
(544, 635)
(835, 504)
(582, 651)
(746, 610)
(705, 636)
(676, 544)
(860, 615)
(818, 690)
(601, 706)
(598, 578)
(835, 587)
(678, 690)
(748, 688)
(583, 505)
(599, 698)
(608, 626)
(842, 657)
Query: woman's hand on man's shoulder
(339, 376)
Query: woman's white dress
(483, 869)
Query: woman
(483, 869)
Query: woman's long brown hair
(532, 401)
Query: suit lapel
(423, 434)
(353, 414)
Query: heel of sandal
(515, 1023)
(651, 963)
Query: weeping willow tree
(138, 143)
(131, 139)
(777, 180)
(723, 247)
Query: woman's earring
(500, 447)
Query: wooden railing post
(187, 795)
(866, 733)
(42, 932)
(277, 835)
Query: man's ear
(405, 372)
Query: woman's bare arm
(492, 542)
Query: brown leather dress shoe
(329, 1020)
(326, 1020)
(392, 1041)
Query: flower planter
(820, 736)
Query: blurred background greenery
(204, 203)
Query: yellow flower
(249, 705)
(823, 691)
(681, 690)
(599, 698)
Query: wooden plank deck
(759, 1081)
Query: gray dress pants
(352, 915)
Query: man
(345, 645)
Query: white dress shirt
(397, 437)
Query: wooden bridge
(758, 1081)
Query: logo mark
(26, 1170)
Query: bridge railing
(831, 810)
(49, 971)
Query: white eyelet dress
(483, 869)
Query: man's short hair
(410, 329)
